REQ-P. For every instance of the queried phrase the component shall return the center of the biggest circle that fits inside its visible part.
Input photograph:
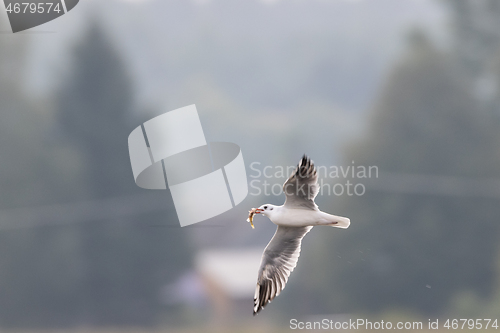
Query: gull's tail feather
(343, 222)
(336, 221)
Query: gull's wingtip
(256, 309)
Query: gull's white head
(267, 210)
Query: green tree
(32, 283)
(124, 261)
(416, 251)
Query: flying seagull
(294, 220)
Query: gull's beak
(258, 211)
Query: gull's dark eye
(265, 207)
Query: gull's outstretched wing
(278, 261)
(302, 186)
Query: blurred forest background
(411, 87)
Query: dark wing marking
(302, 186)
(278, 261)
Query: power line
(435, 185)
(93, 210)
(152, 201)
